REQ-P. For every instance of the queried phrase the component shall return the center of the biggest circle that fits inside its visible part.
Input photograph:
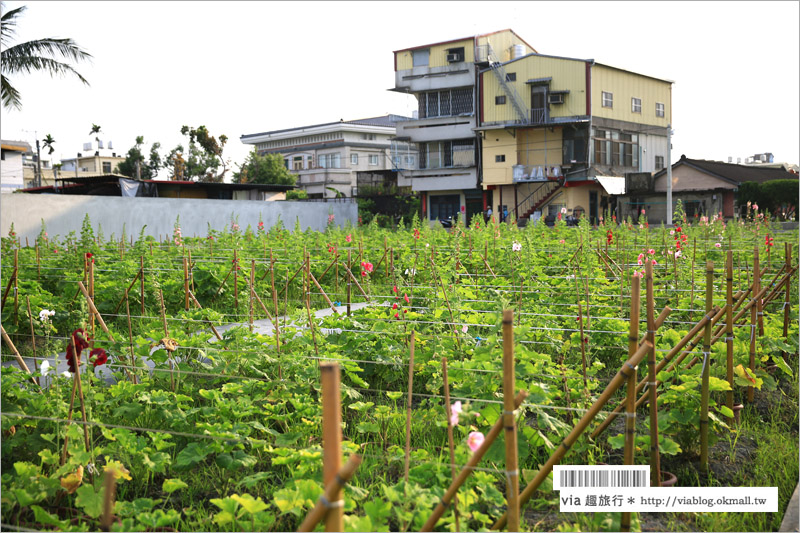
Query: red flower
(416, 233)
(405, 310)
(100, 356)
(77, 343)
(394, 306)
(394, 289)
(397, 316)
(69, 358)
(363, 273)
(405, 297)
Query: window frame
(511, 76)
(353, 159)
(660, 107)
(607, 99)
(500, 158)
(373, 160)
(661, 158)
(419, 54)
(636, 105)
(500, 99)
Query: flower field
(200, 399)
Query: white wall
(65, 213)
(11, 171)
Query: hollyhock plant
(474, 440)
(515, 246)
(100, 357)
(455, 410)
(349, 238)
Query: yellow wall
(624, 86)
(539, 146)
(502, 43)
(568, 75)
(498, 142)
(579, 197)
(438, 55)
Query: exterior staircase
(536, 199)
(500, 72)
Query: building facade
(97, 158)
(326, 157)
(11, 167)
(561, 133)
(441, 158)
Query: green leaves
(191, 455)
(171, 485)
(89, 500)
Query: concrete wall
(65, 213)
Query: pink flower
(397, 316)
(655, 262)
(672, 232)
(755, 207)
(394, 306)
(678, 254)
(474, 440)
(464, 329)
(394, 289)
(561, 241)
(637, 273)
(367, 266)
(651, 251)
(405, 297)
(363, 273)
(348, 239)
(455, 410)
(669, 252)
(643, 211)
(718, 244)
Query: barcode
(601, 477)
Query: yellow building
(561, 133)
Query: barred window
(445, 103)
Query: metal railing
(540, 193)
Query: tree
(267, 168)
(95, 131)
(205, 156)
(148, 169)
(48, 143)
(32, 56)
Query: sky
(249, 67)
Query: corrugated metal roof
(612, 184)
(386, 120)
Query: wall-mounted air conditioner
(555, 98)
(453, 58)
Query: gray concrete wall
(65, 213)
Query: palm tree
(95, 130)
(49, 142)
(31, 56)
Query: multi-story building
(96, 159)
(562, 133)
(442, 159)
(326, 157)
(11, 168)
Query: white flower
(563, 210)
(66, 374)
(411, 271)
(44, 368)
(516, 246)
(45, 314)
(455, 410)
(678, 254)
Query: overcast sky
(248, 67)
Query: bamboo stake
(787, 299)
(323, 508)
(141, 281)
(130, 339)
(275, 321)
(509, 423)
(236, 280)
(8, 286)
(330, 304)
(759, 307)
(753, 322)
(348, 285)
(38, 264)
(408, 405)
(332, 440)
(93, 310)
(33, 338)
(468, 468)
(91, 296)
(191, 272)
(729, 328)
(110, 488)
(253, 291)
(16, 288)
(630, 404)
(307, 300)
(186, 284)
(166, 336)
(17, 356)
(691, 297)
(355, 280)
(704, 392)
(126, 291)
(450, 443)
(583, 337)
(655, 457)
(578, 430)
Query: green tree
(32, 56)
(266, 169)
(95, 131)
(204, 157)
(148, 169)
(48, 142)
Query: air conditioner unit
(452, 58)
(555, 98)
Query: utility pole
(38, 165)
(669, 174)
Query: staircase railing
(538, 194)
(513, 95)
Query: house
(704, 187)
(31, 167)
(442, 157)
(561, 133)
(118, 185)
(97, 158)
(326, 157)
(11, 168)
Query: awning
(612, 184)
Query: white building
(11, 173)
(326, 157)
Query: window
(445, 103)
(460, 153)
(659, 109)
(659, 162)
(297, 163)
(330, 161)
(455, 55)
(353, 159)
(368, 136)
(444, 206)
(616, 148)
(500, 158)
(511, 76)
(373, 159)
(636, 105)
(608, 99)
(106, 167)
(421, 57)
(500, 100)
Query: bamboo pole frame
(33, 337)
(655, 456)
(509, 423)
(704, 392)
(729, 329)
(94, 312)
(325, 504)
(110, 488)
(630, 403)
(130, 339)
(17, 356)
(578, 430)
(197, 304)
(754, 321)
(787, 299)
